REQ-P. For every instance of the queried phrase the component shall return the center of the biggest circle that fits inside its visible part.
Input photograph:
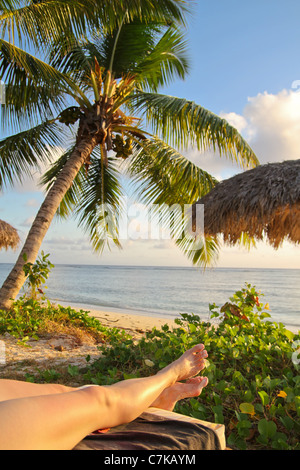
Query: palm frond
(164, 62)
(24, 104)
(14, 58)
(183, 123)
(162, 175)
(170, 183)
(74, 58)
(202, 252)
(44, 21)
(120, 50)
(152, 54)
(98, 218)
(34, 88)
(25, 151)
(84, 199)
(164, 11)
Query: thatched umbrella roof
(264, 201)
(9, 237)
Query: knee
(107, 401)
(104, 397)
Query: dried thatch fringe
(9, 237)
(262, 202)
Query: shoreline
(122, 318)
(128, 320)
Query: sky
(245, 67)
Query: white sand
(123, 319)
(129, 321)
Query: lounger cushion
(152, 432)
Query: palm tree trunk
(16, 278)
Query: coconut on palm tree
(110, 83)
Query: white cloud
(67, 243)
(218, 166)
(271, 125)
(236, 120)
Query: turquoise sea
(168, 291)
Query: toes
(199, 351)
(199, 380)
(204, 382)
(194, 380)
(198, 348)
(203, 354)
(193, 387)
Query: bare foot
(188, 365)
(170, 396)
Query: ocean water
(168, 291)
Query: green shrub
(29, 318)
(252, 366)
(37, 273)
(254, 383)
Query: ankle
(170, 375)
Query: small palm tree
(115, 112)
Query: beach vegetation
(253, 363)
(252, 367)
(93, 105)
(30, 318)
(36, 275)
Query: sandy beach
(135, 322)
(138, 322)
(130, 322)
(58, 349)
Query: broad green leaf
(247, 408)
(218, 412)
(267, 428)
(264, 398)
(289, 334)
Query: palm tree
(27, 27)
(113, 80)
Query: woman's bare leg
(61, 420)
(11, 389)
